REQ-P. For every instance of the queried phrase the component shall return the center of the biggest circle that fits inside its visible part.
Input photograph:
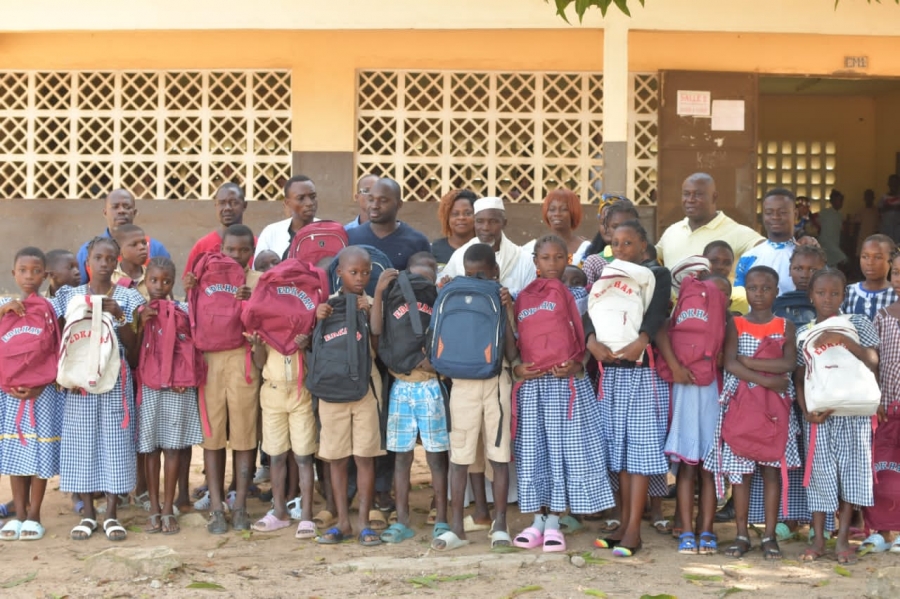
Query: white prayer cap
(488, 204)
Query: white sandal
(114, 527)
(87, 531)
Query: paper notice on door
(693, 103)
(727, 115)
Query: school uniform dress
(97, 453)
(695, 411)
(36, 451)
(166, 419)
(888, 330)
(842, 457)
(722, 461)
(858, 300)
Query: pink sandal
(554, 541)
(529, 538)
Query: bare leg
(365, 483)
(214, 464)
(482, 514)
(151, 476)
(339, 491)
(402, 467)
(306, 482)
(278, 472)
(437, 463)
(458, 477)
(501, 493)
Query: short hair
(99, 240)
(812, 251)
(259, 256)
(542, 241)
(765, 270)
(365, 176)
(620, 206)
(55, 256)
(421, 259)
(780, 191)
(572, 201)
(162, 263)
(353, 251)
(480, 252)
(582, 277)
(638, 228)
(720, 244)
(881, 238)
(122, 230)
(392, 185)
(31, 252)
(231, 185)
(445, 206)
(292, 180)
(828, 271)
(238, 230)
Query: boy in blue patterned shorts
(416, 409)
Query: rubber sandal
(217, 524)
(143, 501)
(554, 541)
(469, 524)
(735, 550)
(323, 519)
(397, 533)
(812, 535)
(305, 530)
(432, 517)
(610, 526)
(709, 543)
(368, 538)
(847, 558)
(230, 498)
(570, 525)
(34, 527)
(203, 503)
(687, 544)
(11, 531)
(663, 527)
(377, 521)
(895, 546)
(439, 529)
(111, 526)
(783, 532)
(78, 507)
(448, 542)
(529, 538)
(295, 508)
(500, 538)
(170, 524)
(770, 555)
(269, 523)
(811, 555)
(606, 543)
(623, 551)
(154, 525)
(122, 502)
(392, 519)
(332, 536)
(82, 529)
(874, 543)
(240, 520)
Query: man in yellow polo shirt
(702, 224)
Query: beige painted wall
(887, 139)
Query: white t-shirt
(517, 268)
(275, 237)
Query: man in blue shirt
(119, 209)
(397, 240)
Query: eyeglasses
(364, 192)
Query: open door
(688, 144)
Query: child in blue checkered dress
(875, 292)
(635, 403)
(841, 464)
(30, 418)
(98, 445)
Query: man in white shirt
(301, 200)
(516, 267)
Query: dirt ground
(277, 565)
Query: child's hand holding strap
(506, 299)
(526, 371)
(302, 342)
(600, 352)
(362, 303)
(146, 313)
(323, 311)
(189, 280)
(389, 274)
(243, 292)
(566, 369)
(112, 307)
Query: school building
(170, 99)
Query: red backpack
(549, 323)
(215, 312)
(697, 331)
(885, 514)
(284, 304)
(318, 240)
(169, 356)
(29, 345)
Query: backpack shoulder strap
(350, 317)
(125, 282)
(324, 286)
(410, 297)
(96, 302)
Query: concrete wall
(887, 139)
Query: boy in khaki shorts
(480, 414)
(352, 428)
(232, 404)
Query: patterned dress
(858, 300)
(168, 420)
(888, 330)
(30, 432)
(97, 452)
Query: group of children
(591, 381)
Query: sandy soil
(277, 565)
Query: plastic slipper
(529, 538)
(663, 527)
(143, 501)
(240, 519)
(305, 530)
(812, 535)
(111, 526)
(622, 551)
(469, 524)
(810, 555)
(569, 524)
(295, 509)
(86, 527)
(783, 532)
(324, 519)
(122, 502)
(439, 529)
(606, 543)
(687, 544)
(368, 538)
(611, 525)
(203, 503)
(35, 528)
(230, 498)
(78, 507)
(216, 524)
(377, 521)
(170, 524)
(448, 541)
(392, 519)
(874, 543)
(709, 543)
(397, 533)
(11, 531)
(895, 546)
(554, 541)
(153, 524)
(332, 536)
(432, 516)
(269, 523)
(736, 550)
(500, 538)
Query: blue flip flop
(365, 538)
(439, 529)
(397, 533)
(332, 536)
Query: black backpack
(407, 306)
(340, 365)
(796, 307)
